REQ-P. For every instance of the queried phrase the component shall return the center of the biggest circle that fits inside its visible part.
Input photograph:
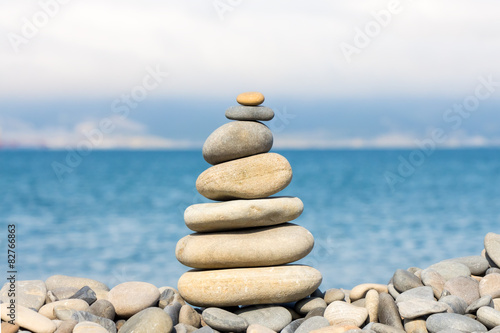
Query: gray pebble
(388, 313)
(419, 292)
(418, 307)
(457, 304)
(492, 270)
(166, 298)
(492, 247)
(173, 311)
(223, 320)
(404, 280)
(488, 316)
(292, 327)
(315, 312)
(381, 328)
(450, 269)
(441, 321)
(477, 264)
(307, 304)
(103, 308)
(483, 301)
(392, 291)
(312, 323)
(332, 295)
(87, 294)
(241, 112)
(270, 316)
(465, 287)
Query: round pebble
(465, 287)
(76, 304)
(492, 247)
(270, 316)
(255, 247)
(304, 306)
(253, 177)
(129, 298)
(477, 264)
(29, 319)
(450, 269)
(483, 301)
(490, 285)
(332, 295)
(103, 308)
(189, 316)
(250, 98)
(238, 214)
(488, 316)
(441, 321)
(404, 280)
(237, 139)
(241, 112)
(245, 286)
(224, 321)
(313, 323)
(340, 313)
(61, 281)
(148, 320)
(89, 327)
(420, 293)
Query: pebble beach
(244, 276)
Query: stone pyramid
(243, 244)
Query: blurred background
(387, 111)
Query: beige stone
(490, 285)
(415, 326)
(189, 316)
(237, 214)
(28, 319)
(341, 313)
(30, 294)
(332, 295)
(336, 329)
(237, 139)
(89, 327)
(148, 320)
(60, 281)
(252, 177)
(266, 246)
(129, 298)
(245, 286)
(250, 98)
(433, 279)
(76, 304)
(371, 305)
(496, 304)
(256, 328)
(66, 326)
(9, 328)
(360, 291)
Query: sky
(156, 74)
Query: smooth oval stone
(238, 214)
(371, 305)
(76, 304)
(419, 307)
(388, 313)
(308, 304)
(477, 264)
(255, 247)
(456, 304)
(173, 311)
(89, 327)
(340, 313)
(103, 308)
(252, 177)
(241, 112)
(28, 319)
(189, 316)
(223, 320)
(252, 98)
(129, 298)
(465, 287)
(450, 269)
(245, 286)
(433, 279)
(415, 326)
(492, 247)
(237, 139)
(292, 327)
(61, 281)
(270, 316)
(256, 328)
(490, 285)
(420, 293)
(148, 320)
(312, 323)
(483, 301)
(10, 328)
(30, 294)
(441, 321)
(488, 316)
(492, 270)
(332, 295)
(360, 291)
(404, 280)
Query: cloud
(95, 48)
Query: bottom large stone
(245, 286)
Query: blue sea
(116, 216)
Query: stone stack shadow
(243, 244)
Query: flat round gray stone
(416, 293)
(224, 321)
(456, 303)
(404, 280)
(483, 301)
(29, 293)
(173, 310)
(240, 112)
(492, 247)
(270, 316)
(254, 247)
(148, 320)
(237, 139)
(332, 295)
(308, 304)
(441, 321)
(103, 308)
(450, 269)
(477, 264)
(419, 307)
(488, 316)
(465, 287)
(388, 312)
(238, 214)
(312, 324)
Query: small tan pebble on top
(250, 98)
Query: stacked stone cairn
(244, 242)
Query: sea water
(116, 216)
